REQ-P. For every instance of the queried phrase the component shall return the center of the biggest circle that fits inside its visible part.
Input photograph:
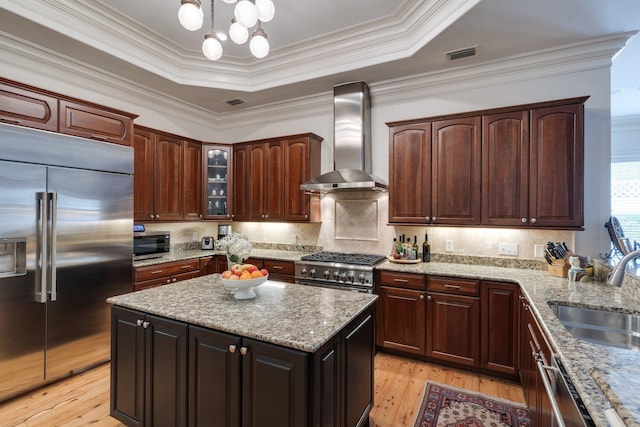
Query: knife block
(558, 268)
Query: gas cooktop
(344, 258)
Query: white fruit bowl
(244, 288)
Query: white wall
(571, 71)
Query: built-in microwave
(150, 244)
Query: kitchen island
(605, 377)
(189, 353)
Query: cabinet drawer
(89, 122)
(165, 269)
(454, 286)
(279, 267)
(402, 280)
(158, 281)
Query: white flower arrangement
(236, 245)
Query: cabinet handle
(266, 216)
(542, 368)
(100, 137)
(243, 351)
(232, 348)
(427, 218)
(422, 297)
(451, 286)
(533, 220)
(145, 324)
(174, 279)
(139, 322)
(151, 216)
(185, 266)
(169, 280)
(157, 216)
(277, 267)
(156, 272)
(433, 219)
(429, 298)
(524, 220)
(401, 280)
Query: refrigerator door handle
(53, 200)
(42, 254)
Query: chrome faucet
(617, 275)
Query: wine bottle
(416, 249)
(426, 249)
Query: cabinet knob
(533, 220)
(151, 216)
(232, 348)
(174, 279)
(145, 324)
(157, 216)
(427, 218)
(243, 351)
(429, 298)
(139, 322)
(433, 219)
(168, 280)
(524, 220)
(266, 216)
(422, 297)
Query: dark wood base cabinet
(169, 373)
(464, 322)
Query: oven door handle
(542, 368)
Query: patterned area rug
(445, 406)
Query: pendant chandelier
(247, 14)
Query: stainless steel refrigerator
(66, 232)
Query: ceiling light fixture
(211, 47)
(190, 14)
(259, 46)
(247, 14)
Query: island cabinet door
(214, 378)
(274, 385)
(166, 379)
(127, 366)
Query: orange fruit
(255, 274)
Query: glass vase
(233, 259)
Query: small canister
(576, 272)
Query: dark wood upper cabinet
(557, 166)
(25, 107)
(456, 174)
(410, 173)
(520, 166)
(267, 178)
(167, 177)
(192, 181)
(29, 106)
(93, 122)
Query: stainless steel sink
(600, 326)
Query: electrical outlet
(510, 249)
(449, 246)
(538, 251)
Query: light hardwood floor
(83, 400)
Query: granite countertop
(604, 376)
(183, 254)
(296, 316)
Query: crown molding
(370, 43)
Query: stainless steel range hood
(352, 144)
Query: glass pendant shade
(266, 10)
(190, 15)
(230, 1)
(211, 47)
(246, 13)
(259, 46)
(238, 33)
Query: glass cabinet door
(217, 172)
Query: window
(625, 197)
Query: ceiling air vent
(236, 101)
(461, 53)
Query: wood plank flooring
(83, 400)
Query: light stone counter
(604, 376)
(183, 254)
(296, 316)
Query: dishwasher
(568, 408)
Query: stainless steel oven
(338, 270)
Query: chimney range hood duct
(352, 144)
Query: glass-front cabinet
(217, 176)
